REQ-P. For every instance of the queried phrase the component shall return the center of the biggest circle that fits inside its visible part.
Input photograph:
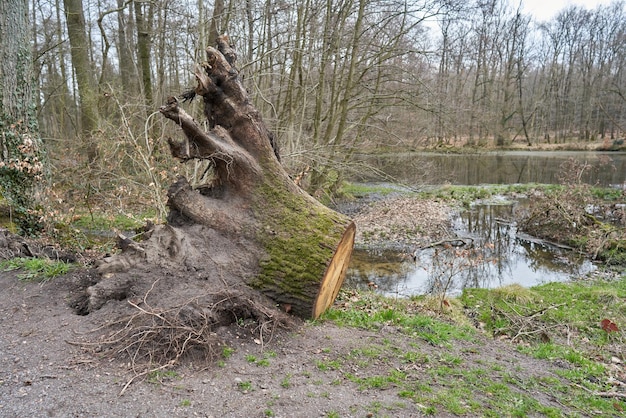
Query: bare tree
(83, 72)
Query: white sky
(546, 9)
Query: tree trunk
(250, 224)
(144, 24)
(124, 52)
(83, 69)
(21, 151)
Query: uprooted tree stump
(252, 227)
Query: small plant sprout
(227, 352)
(245, 386)
(286, 382)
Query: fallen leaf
(608, 325)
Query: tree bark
(258, 226)
(144, 24)
(83, 69)
(21, 150)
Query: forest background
(332, 78)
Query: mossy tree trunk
(296, 249)
(21, 151)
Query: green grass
(469, 194)
(325, 365)
(392, 378)
(578, 306)
(245, 386)
(446, 382)
(158, 376)
(361, 190)
(81, 231)
(286, 382)
(227, 352)
(372, 311)
(105, 222)
(262, 362)
(36, 269)
(560, 323)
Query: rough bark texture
(21, 155)
(83, 68)
(252, 226)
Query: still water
(496, 253)
(507, 167)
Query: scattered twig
(617, 395)
(524, 324)
(457, 240)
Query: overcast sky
(546, 9)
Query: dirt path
(302, 373)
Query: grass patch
(159, 376)
(563, 324)
(369, 310)
(392, 378)
(82, 230)
(109, 222)
(448, 376)
(358, 190)
(551, 311)
(469, 194)
(36, 269)
(245, 386)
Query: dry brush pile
(573, 215)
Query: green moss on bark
(299, 238)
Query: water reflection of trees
(494, 255)
(493, 231)
(492, 168)
(493, 258)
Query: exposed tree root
(152, 339)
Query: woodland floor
(300, 372)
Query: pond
(496, 253)
(506, 167)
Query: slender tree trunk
(124, 51)
(83, 72)
(143, 23)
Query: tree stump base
(251, 225)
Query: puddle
(495, 254)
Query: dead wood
(249, 245)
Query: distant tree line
(331, 77)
